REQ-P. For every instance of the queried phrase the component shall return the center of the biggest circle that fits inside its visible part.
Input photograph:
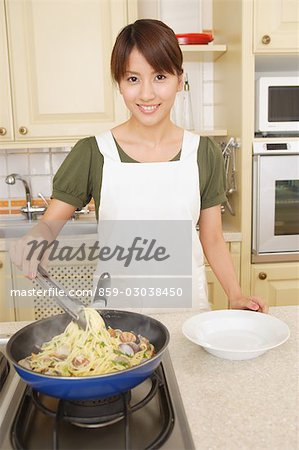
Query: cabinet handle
(3, 131)
(23, 130)
(1, 264)
(266, 39)
(262, 275)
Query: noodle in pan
(93, 351)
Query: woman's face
(148, 95)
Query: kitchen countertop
(232, 405)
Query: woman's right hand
(35, 247)
(31, 250)
(26, 253)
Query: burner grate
(4, 370)
(103, 414)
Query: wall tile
(39, 164)
(39, 150)
(208, 93)
(208, 71)
(3, 169)
(60, 149)
(18, 203)
(13, 151)
(17, 164)
(3, 188)
(57, 159)
(208, 121)
(41, 184)
(16, 190)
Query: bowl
(236, 334)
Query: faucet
(30, 211)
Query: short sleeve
(211, 173)
(72, 183)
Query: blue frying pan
(24, 342)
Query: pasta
(96, 350)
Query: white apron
(155, 191)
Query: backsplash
(37, 166)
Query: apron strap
(107, 146)
(190, 145)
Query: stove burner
(98, 410)
(115, 421)
(84, 413)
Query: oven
(275, 227)
(150, 416)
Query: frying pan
(24, 342)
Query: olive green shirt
(79, 178)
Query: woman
(176, 174)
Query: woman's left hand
(253, 303)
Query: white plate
(236, 334)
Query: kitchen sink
(11, 218)
(16, 228)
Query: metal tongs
(71, 305)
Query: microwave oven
(277, 105)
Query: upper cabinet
(59, 59)
(276, 25)
(6, 120)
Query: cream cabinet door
(7, 310)
(6, 120)
(216, 294)
(277, 283)
(276, 26)
(60, 66)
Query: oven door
(276, 204)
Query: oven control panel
(275, 148)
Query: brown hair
(154, 40)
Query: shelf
(208, 52)
(214, 132)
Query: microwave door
(278, 204)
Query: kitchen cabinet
(276, 24)
(217, 296)
(277, 283)
(59, 59)
(6, 120)
(241, 24)
(7, 311)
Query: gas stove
(150, 416)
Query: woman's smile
(148, 109)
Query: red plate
(194, 38)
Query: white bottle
(187, 121)
(177, 110)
